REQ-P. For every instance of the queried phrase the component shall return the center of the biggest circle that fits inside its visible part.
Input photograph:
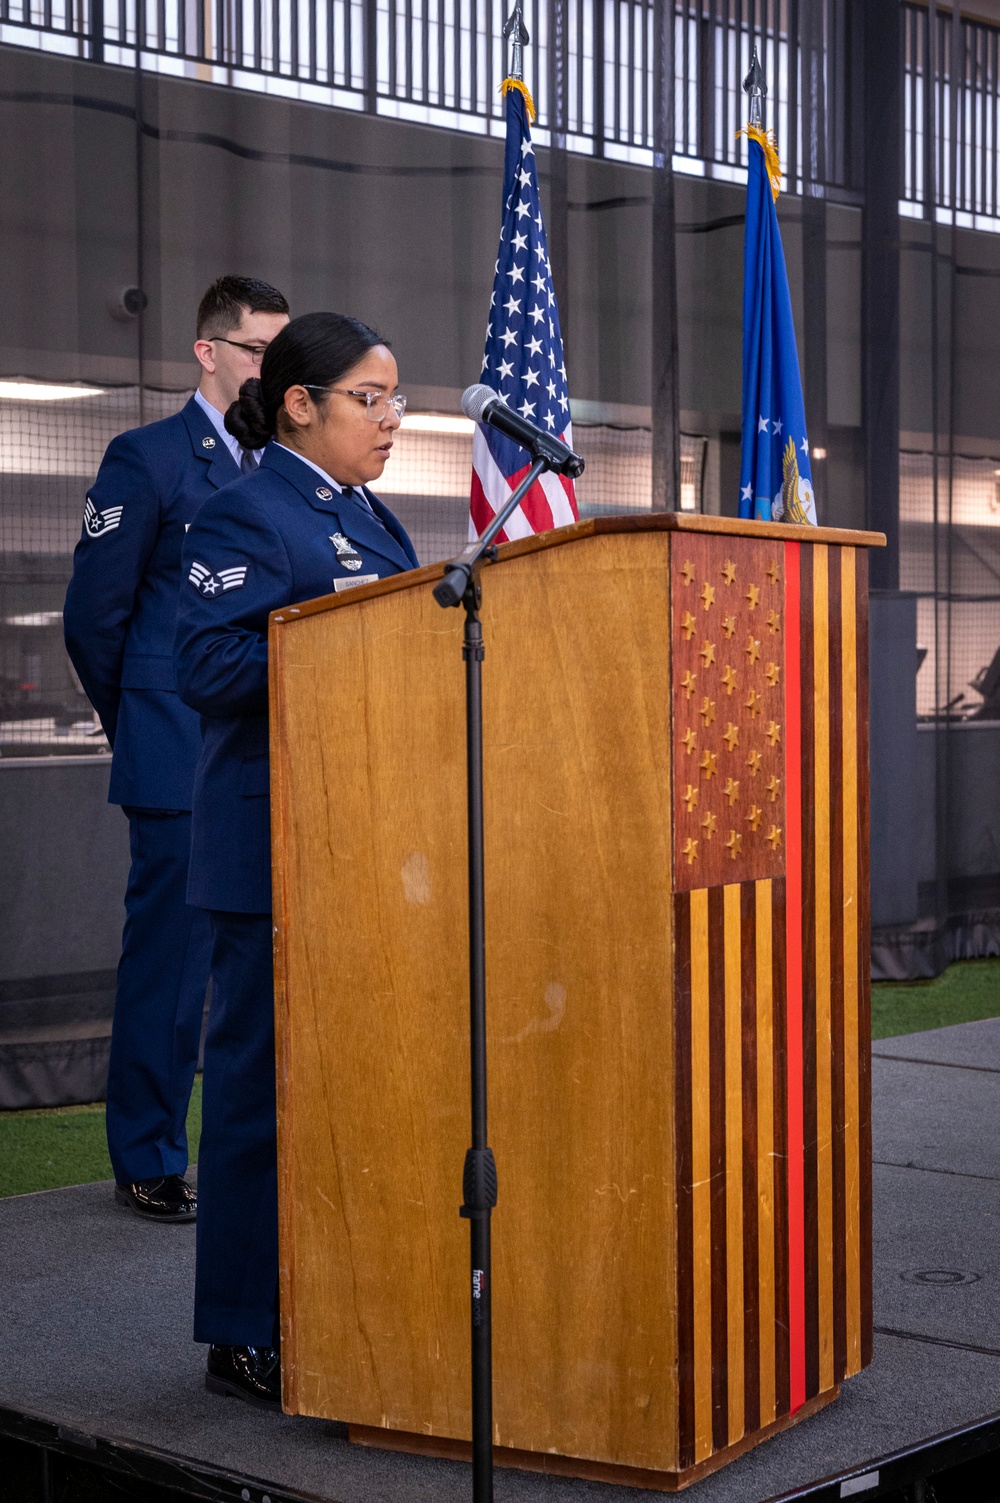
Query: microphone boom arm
(460, 572)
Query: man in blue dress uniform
(120, 616)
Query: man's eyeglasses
(377, 403)
(255, 351)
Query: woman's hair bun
(247, 419)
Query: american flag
(524, 354)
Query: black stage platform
(98, 1370)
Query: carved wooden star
(773, 785)
(774, 837)
(754, 817)
(728, 626)
(752, 703)
(707, 764)
(753, 762)
(707, 711)
(729, 679)
(752, 596)
(732, 790)
(690, 850)
(687, 572)
(732, 736)
(687, 625)
(690, 797)
(773, 623)
(773, 733)
(772, 673)
(734, 844)
(688, 682)
(707, 595)
(773, 572)
(707, 654)
(753, 650)
(688, 741)
(708, 824)
(729, 571)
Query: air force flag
(775, 474)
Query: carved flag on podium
(523, 361)
(775, 474)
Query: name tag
(349, 584)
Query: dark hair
(224, 304)
(313, 350)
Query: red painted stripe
(793, 949)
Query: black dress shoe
(166, 1198)
(252, 1373)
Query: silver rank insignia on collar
(324, 493)
(347, 554)
(208, 443)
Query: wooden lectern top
(666, 521)
(675, 763)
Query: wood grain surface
(679, 1092)
(373, 1013)
(727, 648)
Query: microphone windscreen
(475, 399)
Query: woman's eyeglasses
(377, 403)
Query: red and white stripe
(551, 502)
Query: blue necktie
(248, 462)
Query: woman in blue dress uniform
(302, 525)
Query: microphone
(483, 405)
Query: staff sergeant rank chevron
(210, 585)
(97, 523)
(524, 353)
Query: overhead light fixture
(428, 422)
(40, 391)
(819, 453)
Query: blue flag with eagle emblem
(775, 474)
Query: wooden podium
(676, 775)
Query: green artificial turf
(964, 993)
(45, 1150)
(67, 1146)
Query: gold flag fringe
(767, 141)
(522, 88)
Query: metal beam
(881, 20)
(666, 405)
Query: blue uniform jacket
(269, 540)
(121, 606)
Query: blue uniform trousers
(236, 1275)
(159, 1002)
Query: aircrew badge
(347, 554)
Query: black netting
(51, 444)
(950, 557)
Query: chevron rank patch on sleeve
(210, 585)
(97, 523)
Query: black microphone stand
(460, 586)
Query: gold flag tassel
(768, 143)
(522, 88)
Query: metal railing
(951, 129)
(441, 61)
